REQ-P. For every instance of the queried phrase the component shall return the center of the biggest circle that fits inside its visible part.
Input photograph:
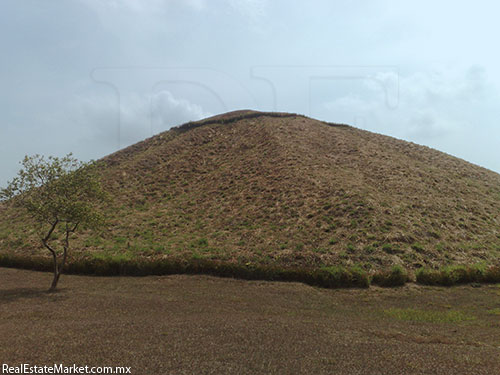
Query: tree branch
(47, 237)
(74, 228)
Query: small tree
(62, 195)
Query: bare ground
(205, 325)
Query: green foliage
(491, 274)
(387, 248)
(351, 248)
(132, 265)
(299, 247)
(334, 277)
(332, 241)
(60, 194)
(94, 241)
(460, 274)
(61, 190)
(395, 277)
(369, 249)
(202, 242)
(417, 247)
(440, 246)
(126, 264)
(120, 240)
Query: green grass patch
(351, 248)
(494, 311)
(418, 247)
(387, 248)
(430, 316)
(332, 241)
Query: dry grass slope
(282, 190)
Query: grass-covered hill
(253, 188)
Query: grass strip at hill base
(460, 274)
(327, 277)
(396, 276)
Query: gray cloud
(52, 103)
(166, 110)
(442, 108)
(107, 125)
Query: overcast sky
(92, 76)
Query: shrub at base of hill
(454, 275)
(25, 262)
(491, 275)
(327, 277)
(397, 276)
(336, 277)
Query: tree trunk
(57, 272)
(55, 279)
(54, 255)
(59, 269)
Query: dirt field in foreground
(205, 325)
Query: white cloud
(141, 5)
(255, 10)
(45, 111)
(249, 8)
(430, 104)
(167, 110)
(103, 121)
(450, 109)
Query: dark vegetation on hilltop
(274, 193)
